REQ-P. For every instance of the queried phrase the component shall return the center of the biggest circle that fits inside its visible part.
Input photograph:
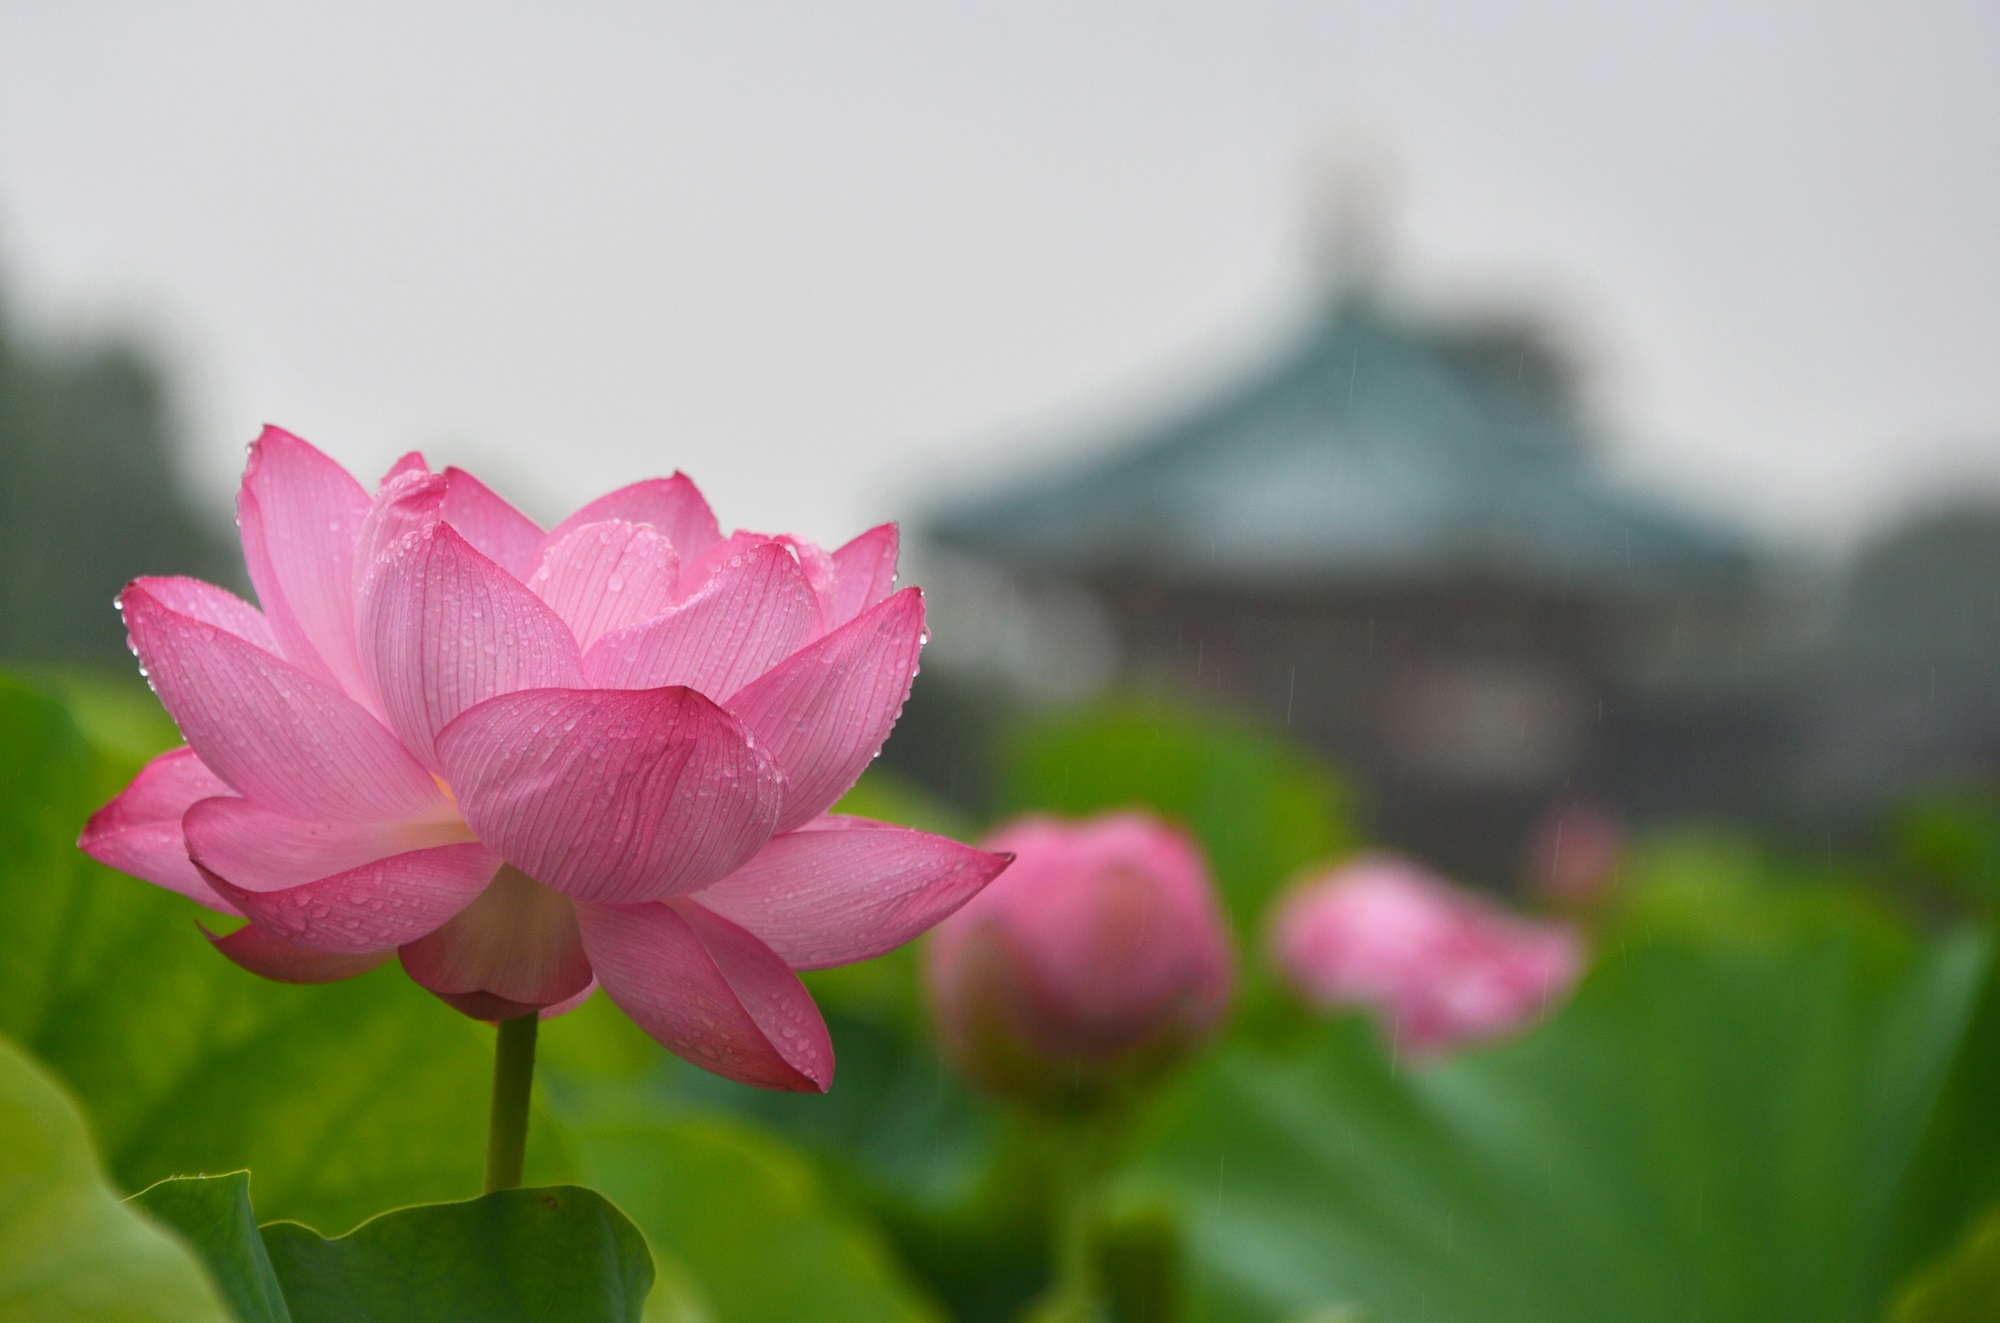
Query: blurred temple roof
(1377, 449)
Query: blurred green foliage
(1772, 1099)
(89, 498)
(1961, 1285)
(1261, 807)
(666, 1174)
(69, 1251)
(1721, 1124)
(1950, 837)
(1776, 1096)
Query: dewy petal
(404, 504)
(359, 903)
(710, 992)
(824, 712)
(605, 576)
(513, 950)
(496, 529)
(270, 730)
(270, 956)
(140, 831)
(444, 628)
(818, 569)
(256, 850)
(300, 514)
(847, 889)
(215, 606)
(758, 610)
(672, 505)
(411, 462)
(696, 571)
(614, 796)
(864, 572)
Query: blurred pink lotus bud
(1442, 967)
(528, 763)
(1092, 966)
(1575, 852)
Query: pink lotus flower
(1097, 960)
(528, 763)
(1443, 967)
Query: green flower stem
(513, 1083)
(1075, 1253)
(1080, 1164)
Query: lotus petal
(300, 514)
(613, 796)
(215, 606)
(824, 712)
(140, 831)
(818, 569)
(407, 503)
(410, 462)
(443, 628)
(258, 850)
(710, 992)
(271, 731)
(864, 572)
(270, 956)
(377, 905)
(672, 505)
(495, 528)
(513, 950)
(756, 611)
(605, 576)
(845, 889)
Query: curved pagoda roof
(1375, 452)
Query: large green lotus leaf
(1725, 889)
(556, 1254)
(69, 1250)
(750, 1221)
(1720, 1125)
(344, 1099)
(1262, 808)
(213, 1215)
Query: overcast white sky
(831, 257)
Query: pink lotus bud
(1575, 852)
(1442, 967)
(529, 763)
(1091, 966)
